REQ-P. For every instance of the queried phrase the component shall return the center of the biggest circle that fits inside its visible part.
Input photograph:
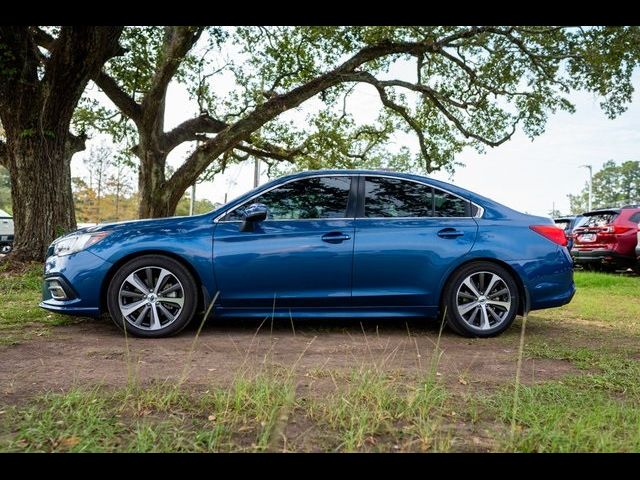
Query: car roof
(474, 197)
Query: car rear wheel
(152, 296)
(481, 299)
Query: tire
(494, 309)
(147, 313)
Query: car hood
(137, 225)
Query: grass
(602, 298)
(368, 407)
(569, 417)
(156, 418)
(20, 316)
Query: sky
(529, 176)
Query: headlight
(76, 243)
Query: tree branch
(271, 151)
(467, 133)
(177, 43)
(125, 103)
(75, 144)
(432, 95)
(76, 55)
(189, 130)
(108, 85)
(198, 161)
(399, 109)
(42, 38)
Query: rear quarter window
(635, 218)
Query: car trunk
(597, 232)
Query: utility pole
(256, 172)
(192, 203)
(590, 182)
(193, 199)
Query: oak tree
(39, 91)
(451, 87)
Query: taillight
(615, 229)
(551, 232)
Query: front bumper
(82, 275)
(602, 257)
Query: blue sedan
(341, 243)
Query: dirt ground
(95, 352)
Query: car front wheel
(152, 296)
(481, 299)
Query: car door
(407, 236)
(301, 255)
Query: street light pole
(256, 172)
(192, 203)
(193, 199)
(590, 182)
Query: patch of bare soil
(96, 353)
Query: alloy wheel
(151, 298)
(483, 300)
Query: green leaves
(448, 87)
(613, 186)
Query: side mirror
(253, 214)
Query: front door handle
(335, 237)
(450, 233)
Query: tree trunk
(41, 194)
(151, 184)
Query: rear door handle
(335, 237)
(450, 233)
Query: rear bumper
(548, 282)
(602, 257)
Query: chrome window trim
(479, 213)
(407, 218)
(296, 220)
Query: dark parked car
(342, 243)
(606, 239)
(568, 224)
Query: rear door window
(448, 205)
(391, 197)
